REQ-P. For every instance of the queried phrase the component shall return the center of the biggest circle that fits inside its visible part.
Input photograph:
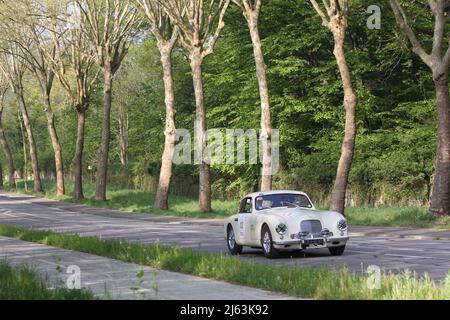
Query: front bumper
(306, 242)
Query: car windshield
(282, 200)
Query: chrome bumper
(307, 241)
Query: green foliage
(396, 108)
(306, 97)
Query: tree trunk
(123, 136)
(348, 146)
(7, 151)
(32, 144)
(201, 134)
(24, 150)
(56, 145)
(162, 193)
(103, 153)
(440, 196)
(1, 176)
(266, 119)
(78, 158)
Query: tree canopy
(396, 114)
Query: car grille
(311, 226)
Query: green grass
(395, 217)
(142, 202)
(24, 283)
(307, 282)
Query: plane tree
(166, 35)
(251, 10)
(334, 15)
(13, 67)
(200, 24)
(109, 26)
(3, 142)
(74, 66)
(438, 61)
(27, 30)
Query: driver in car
(259, 203)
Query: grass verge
(306, 282)
(142, 202)
(417, 217)
(24, 283)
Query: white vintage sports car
(284, 221)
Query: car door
(243, 221)
(255, 221)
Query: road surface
(427, 255)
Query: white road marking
(356, 251)
(6, 213)
(408, 249)
(407, 256)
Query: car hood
(295, 215)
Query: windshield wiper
(291, 204)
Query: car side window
(246, 206)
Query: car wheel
(337, 251)
(267, 243)
(233, 247)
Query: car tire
(267, 243)
(337, 251)
(233, 247)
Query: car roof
(257, 194)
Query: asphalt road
(392, 254)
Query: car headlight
(281, 229)
(342, 225)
